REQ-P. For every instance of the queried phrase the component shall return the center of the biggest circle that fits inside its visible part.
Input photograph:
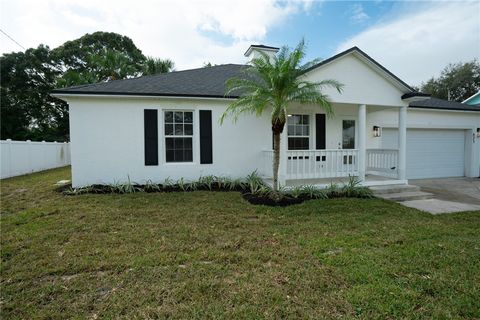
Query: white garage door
(434, 153)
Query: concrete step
(406, 196)
(394, 189)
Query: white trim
(370, 64)
(255, 48)
(194, 135)
(362, 140)
(416, 98)
(471, 97)
(426, 126)
(402, 143)
(441, 110)
(72, 95)
(310, 134)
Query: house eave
(66, 94)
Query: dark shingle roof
(209, 82)
(203, 82)
(439, 104)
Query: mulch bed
(255, 199)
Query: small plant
(254, 182)
(182, 185)
(192, 186)
(296, 192)
(333, 190)
(312, 192)
(151, 187)
(77, 191)
(207, 182)
(234, 184)
(167, 184)
(220, 182)
(127, 187)
(252, 187)
(353, 188)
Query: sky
(413, 39)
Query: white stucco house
(167, 126)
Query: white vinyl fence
(22, 157)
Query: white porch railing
(312, 164)
(267, 166)
(383, 162)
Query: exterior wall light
(478, 132)
(377, 131)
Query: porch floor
(370, 181)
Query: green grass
(213, 255)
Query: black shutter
(151, 137)
(320, 131)
(206, 155)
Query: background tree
(156, 65)
(208, 64)
(273, 85)
(27, 109)
(456, 82)
(77, 54)
(27, 79)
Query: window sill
(179, 163)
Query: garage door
(431, 153)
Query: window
(298, 132)
(178, 136)
(348, 134)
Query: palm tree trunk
(276, 159)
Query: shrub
(353, 189)
(255, 184)
(151, 187)
(313, 192)
(207, 182)
(253, 188)
(182, 185)
(167, 184)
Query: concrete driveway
(450, 195)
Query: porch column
(362, 138)
(282, 168)
(402, 143)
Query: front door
(348, 141)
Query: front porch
(321, 166)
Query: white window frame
(308, 136)
(193, 137)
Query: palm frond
(275, 82)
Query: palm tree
(157, 65)
(273, 84)
(112, 65)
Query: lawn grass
(213, 255)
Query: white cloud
(358, 14)
(189, 32)
(421, 42)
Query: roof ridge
(149, 76)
